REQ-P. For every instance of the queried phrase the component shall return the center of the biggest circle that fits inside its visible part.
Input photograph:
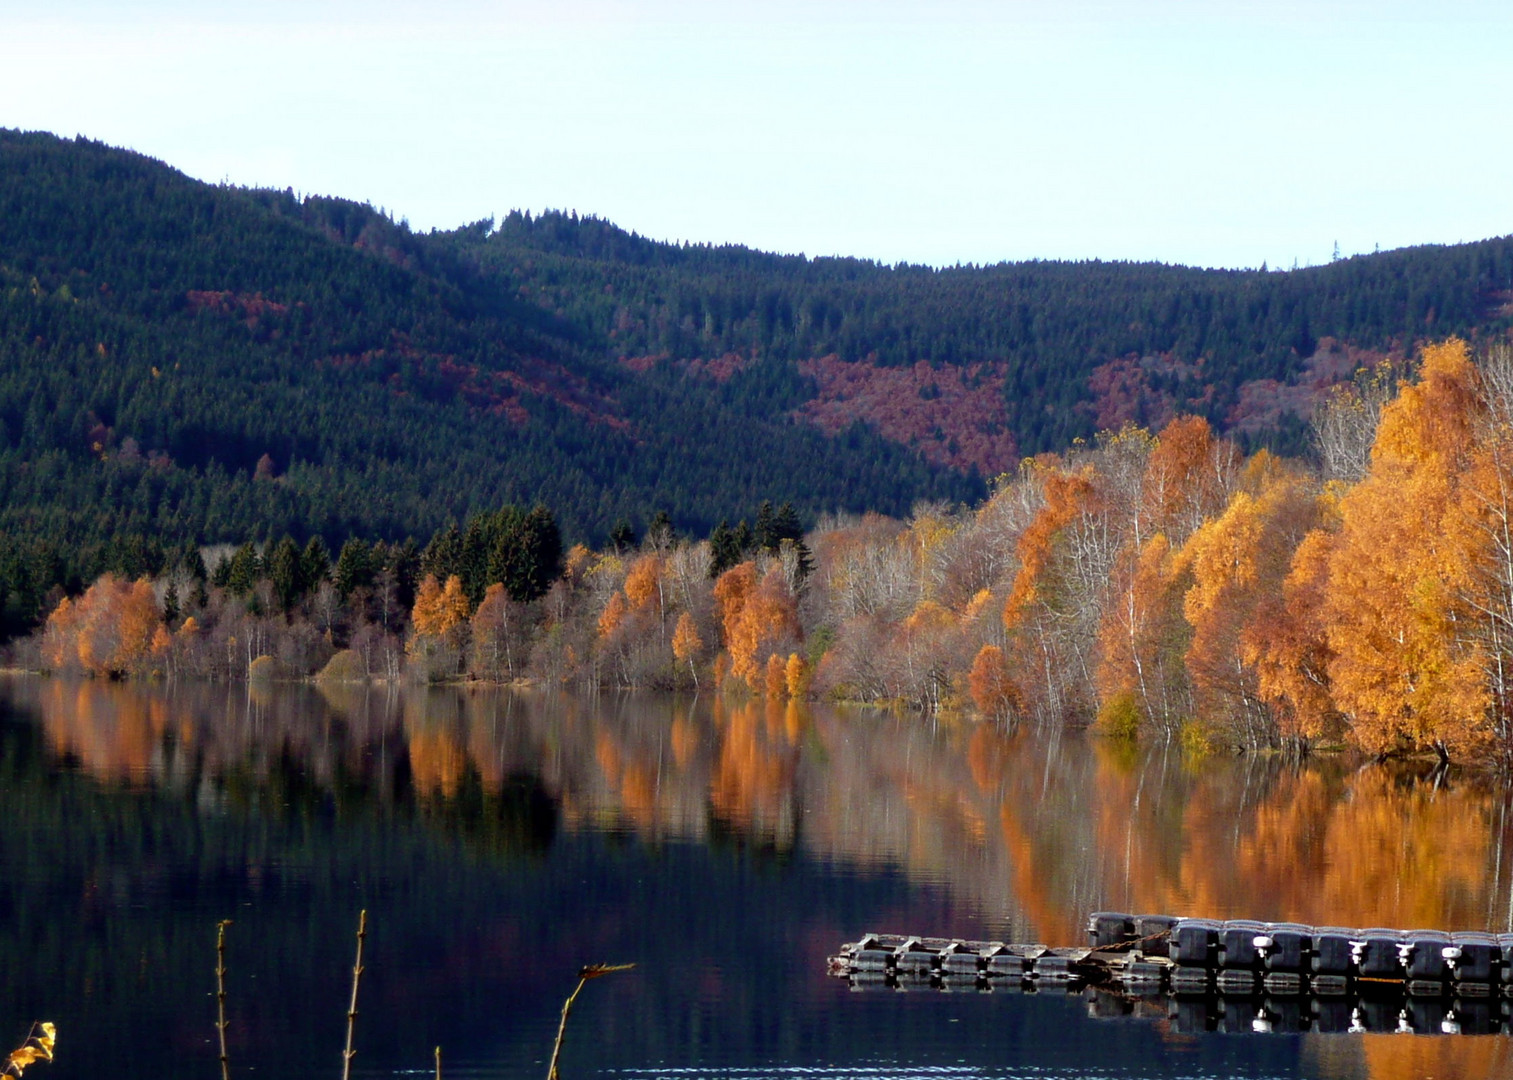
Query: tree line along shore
(1154, 585)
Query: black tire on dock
(1105, 928)
(1377, 955)
(1289, 948)
(1236, 982)
(1328, 986)
(1423, 954)
(1237, 943)
(1476, 958)
(1192, 980)
(1008, 965)
(1505, 948)
(1330, 953)
(1052, 968)
(1153, 932)
(1194, 942)
(871, 960)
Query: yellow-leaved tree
(1239, 562)
(439, 623)
(1406, 671)
(686, 644)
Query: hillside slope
(196, 361)
(191, 361)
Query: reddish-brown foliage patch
(1151, 390)
(642, 364)
(718, 368)
(1128, 391)
(251, 307)
(721, 368)
(498, 392)
(1261, 402)
(954, 416)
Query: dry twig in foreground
(593, 971)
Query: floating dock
(1236, 974)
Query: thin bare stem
(438, 1063)
(592, 971)
(348, 1054)
(567, 1007)
(220, 994)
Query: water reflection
(1034, 833)
(1026, 835)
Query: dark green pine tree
(354, 568)
(722, 552)
(404, 563)
(765, 532)
(442, 557)
(286, 573)
(243, 570)
(315, 564)
(743, 540)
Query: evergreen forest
(186, 364)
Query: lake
(499, 840)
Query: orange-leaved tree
(439, 608)
(756, 617)
(1288, 641)
(1143, 637)
(1067, 494)
(643, 582)
(439, 621)
(1405, 670)
(107, 631)
(493, 629)
(686, 643)
(988, 681)
(1240, 560)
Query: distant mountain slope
(1073, 347)
(187, 360)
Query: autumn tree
(494, 633)
(796, 674)
(108, 631)
(1056, 601)
(992, 691)
(439, 623)
(643, 583)
(775, 685)
(1239, 562)
(756, 618)
(1406, 670)
(686, 644)
(1288, 642)
(1144, 638)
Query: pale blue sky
(1209, 133)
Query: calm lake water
(499, 841)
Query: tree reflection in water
(1028, 834)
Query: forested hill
(191, 361)
(1068, 348)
